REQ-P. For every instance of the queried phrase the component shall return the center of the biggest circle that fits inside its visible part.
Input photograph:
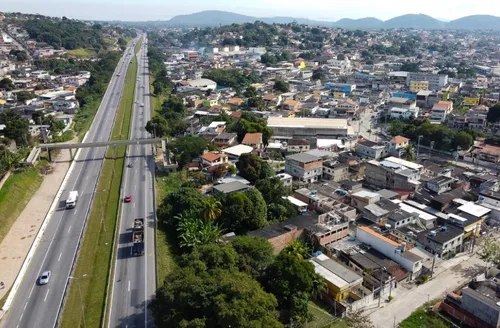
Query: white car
(44, 278)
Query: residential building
(341, 281)
(235, 103)
(445, 241)
(286, 179)
(213, 159)
(346, 107)
(404, 113)
(398, 145)
(330, 228)
(254, 140)
(440, 184)
(416, 86)
(229, 188)
(436, 81)
(364, 198)
(341, 87)
(440, 110)
(298, 145)
(291, 105)
(371, 149)
(335, 171)
(393, 173)
(203, 84)
(304, 167)
(401, 102)
(235, 152)
(225, 139)
(394, 250)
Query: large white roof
(238, 150)
(474, 209)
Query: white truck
(72, 198)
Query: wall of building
(486, 311)
(376, 175)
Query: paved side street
(407, 298)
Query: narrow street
(450, 275)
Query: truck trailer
(138, 237)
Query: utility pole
(418, 145)
(432, 147)
(433, 262)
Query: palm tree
(409, 153)
(297, 249)
(212, 209)
(319, 287)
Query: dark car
(128, 199)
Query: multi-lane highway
(134, 280)
(38, 306)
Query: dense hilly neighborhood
(305, 175)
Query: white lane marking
(129, 285)
(69, 229)
(76, 211)
(25, 305)
(31, 292)
(59, 259)
(134, 205)
(46, 295)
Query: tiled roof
(212, 156)
(252, 139)
(399, 139)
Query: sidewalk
(407, 298)
(17, 243)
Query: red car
(128, 199)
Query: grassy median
(96, 252)
(20, 186)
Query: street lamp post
(432, 147)
(81, 299)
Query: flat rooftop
(306, 122)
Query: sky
(330, 10)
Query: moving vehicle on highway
(72, 198)
(128, 199)
(138, 237)
(44, 278)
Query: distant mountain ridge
(211, 18)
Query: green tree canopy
(158, 126)
(188, 148)
(463, 140)
(250, 167)
(215, 298)
(22, 96)
(181, 200)
(255, 254)
(244, 211)
(493, 115)
(7, 84)
(280, 85)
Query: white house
(404, 113)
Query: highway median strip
(94, 262)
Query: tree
(251, 92)
(157, 126)
(297, 249)
(244, 211)
(463, 140)
(188, 148)
(272, 189)
(409, 153)
(250, 167)
(179, 201)
(292, 281)
(318, 74)
(280, 85)
(193, 297)
(212, 209)
(490, 251)
(19, 55)
(493, 115)
(255, 254)
(7, 84)
(397, 128)
(17, 130)
(211, 256)
(22, 96)
(410, 67)
(357, 319)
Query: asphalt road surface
(38, 306)
(134, 281)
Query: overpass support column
(50, 155)
(114, 150)
(71, 154)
